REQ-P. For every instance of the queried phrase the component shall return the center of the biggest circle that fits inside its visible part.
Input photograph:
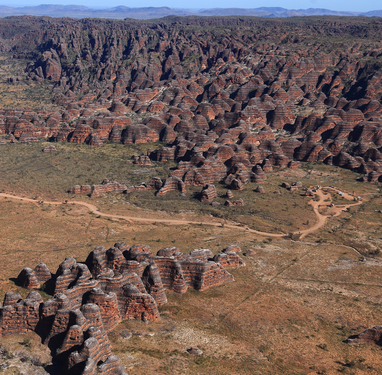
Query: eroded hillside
(191, 102)
(227, 97)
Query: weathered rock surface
(50, 148)
(370, 336)
(208, 193)
(136, 82)
(90, 299)
(172, 184)
(99, 190)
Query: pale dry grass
(288, 310)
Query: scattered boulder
(260, 189)
(370, 336)
(236, 184)
(194, 350)
(141, 160)
(238, 202)
(229, 194)
(250, 253)
(50, 148)
(232, 249)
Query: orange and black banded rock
(139, 133)
(370, 336)
(208, 193)
(33, 279)
(80, 189)
(229, 194)
(141, 160)
(236, 184)
(232, 249)
(99, 190)
(42, 273)
(138, 252)
(107, 187)
(78, 339)
(108, 305)
(152, 281)
(19, 315)
(228, 258)
(260, 189)
(202, 254)
(137, 305)
(96, 346)
(50, 148)
(155, 183)
(122, 282)
(172, 184)
(163, 154)
(171, 273)
(179, 271)
(28, 279)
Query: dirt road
(321, 219)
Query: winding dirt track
(321, 219)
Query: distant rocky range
(230, 99)
(121, 12)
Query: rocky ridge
(227, 104)
(91, 298)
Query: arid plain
(250, 114)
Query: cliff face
(91, 298)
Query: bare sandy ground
(324, 200)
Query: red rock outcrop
(89, 304)
(228, 258)
(99, 190)
(236, 184)
(208, 193)
(238, 202)
(172, 184)
(223, 93)
(50, 148)
(18, 315)
(32, 279)
(141, 160)
(229, 194)
(155, 183)
(139, 133)
(179, 271)
(370, 336)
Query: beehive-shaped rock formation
(370, 336)
(94, 191)
(208, 193)
(123, 282)
(172, 184)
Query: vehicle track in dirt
(324, 199)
